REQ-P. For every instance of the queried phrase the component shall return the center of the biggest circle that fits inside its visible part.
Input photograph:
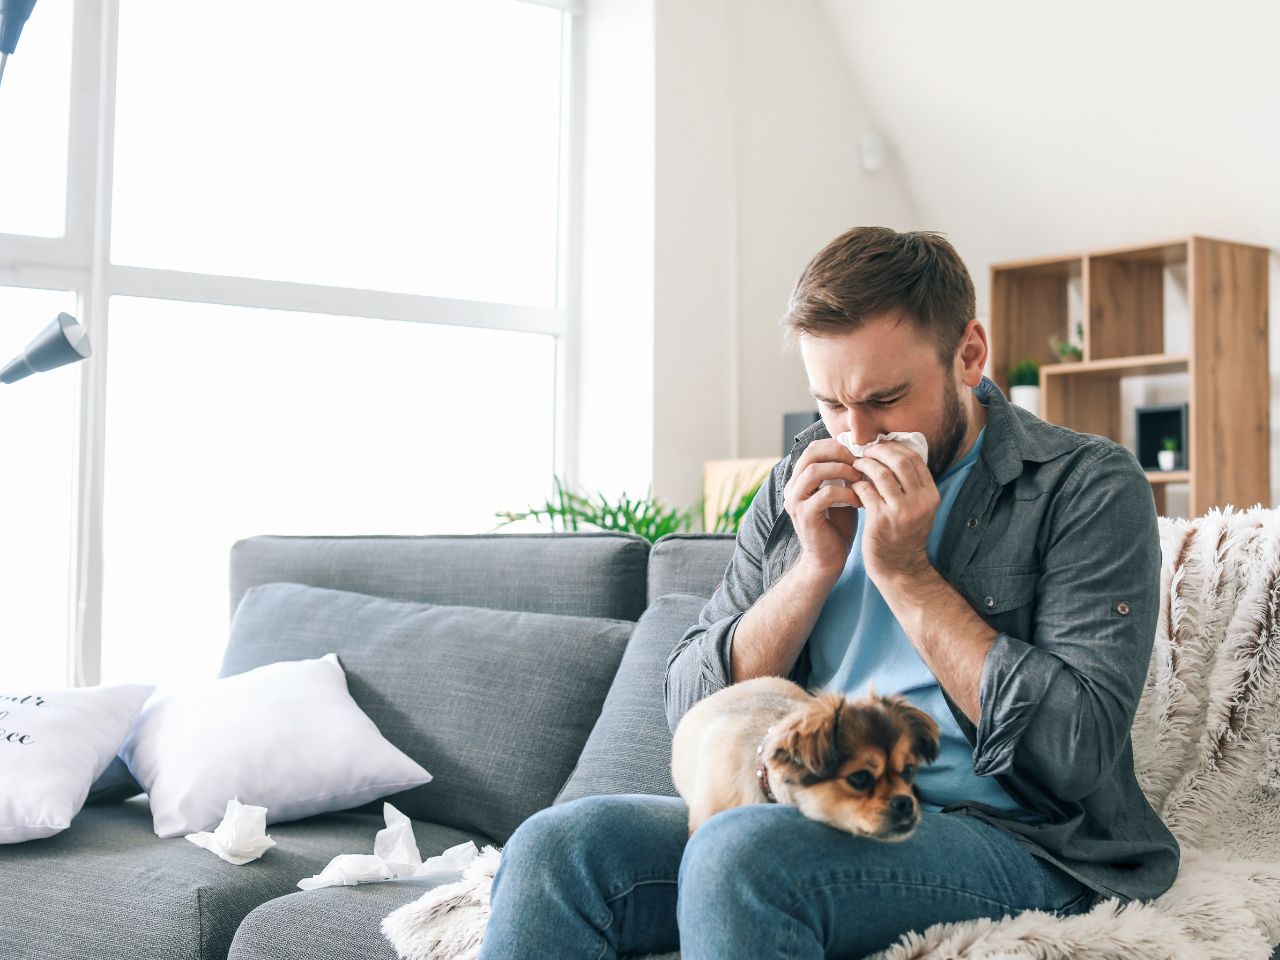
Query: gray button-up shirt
(1053, 540)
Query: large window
(293, 423)
(37, 474)
(320, 251)
(392, 144)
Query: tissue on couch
(395, 855)
(240, 837)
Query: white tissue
(395, 856)
(913, 440)
(240, 837)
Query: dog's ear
(923, 729)
(803, 742)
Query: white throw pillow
(286, 736)
(53, 745)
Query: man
(1008, 587)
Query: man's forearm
(770, 635)
(951, 639)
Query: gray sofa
(107, 887)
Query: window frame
(79, 262)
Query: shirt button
(1122, 608)
(973, 522)
(990, 601)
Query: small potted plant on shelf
(1168, 457)
(1024, 385)
(1065, 349)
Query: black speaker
(793, 423)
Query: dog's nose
(902, 806)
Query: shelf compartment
(1030, 306)
(1124, 293)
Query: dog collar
(762, 775)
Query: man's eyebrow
(876, 395)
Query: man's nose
(863, 427)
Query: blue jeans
(616, 875)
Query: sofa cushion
(331, 923)
(107, 887)
(496, 704)
(629, 750)
(338, 923)
(689, 563)
(580, 574)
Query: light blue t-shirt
(857, 640)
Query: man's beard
(955, 425)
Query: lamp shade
(62, 341)
(13, 14)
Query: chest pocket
(996, 590)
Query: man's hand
(901, 499)
(825, 541)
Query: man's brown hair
(870, 271)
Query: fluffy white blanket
(1207, 748)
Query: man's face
(884, 376)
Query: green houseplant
(1024, 385)
(1025, 374)
(648, 516)
(1065, 349)
(1167, 457)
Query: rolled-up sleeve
(1059, 705)
(700, 665)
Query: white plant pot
(1167, 459)
(1026, 397)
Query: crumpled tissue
(240, 837)
(395, 856)
(913, 440)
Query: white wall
(694, 277)
(721, 155)
(616, 362)
(1035, 129)
(800, 185)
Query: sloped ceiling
(1028, 129)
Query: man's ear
(803, 744)
(971, 355)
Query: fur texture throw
(1206, 741)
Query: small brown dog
(846, 762)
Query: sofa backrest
(629, 750)
(688, 563)
(583, 574)
(579, 574)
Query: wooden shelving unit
(1121, 297)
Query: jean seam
(915, 884)
(603, 930)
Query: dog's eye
(908, 773)
(861, 780)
